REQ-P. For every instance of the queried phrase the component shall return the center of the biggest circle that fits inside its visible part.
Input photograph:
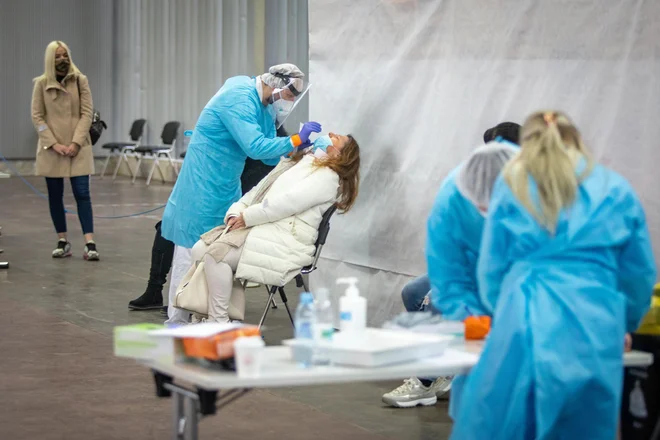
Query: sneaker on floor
(197, 319)
(90, 253)
(442, 386)
(63, 249)
(410, 394)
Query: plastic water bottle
(305, 323)
(324, 329)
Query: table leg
(189, 406)
(192, 419)
(186, 413)
(177, 401)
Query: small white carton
(138, 342)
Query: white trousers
(181, 262)
(219, 279)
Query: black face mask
(62, 66)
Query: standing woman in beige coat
(62, 114)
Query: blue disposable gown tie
(552, 366)
(233, 125)
(452, 248)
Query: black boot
(151, 299)
(162, 253)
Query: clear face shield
(284, 100)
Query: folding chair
(158, 152)
(120, 150)
(324, 229)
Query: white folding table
(201, 395)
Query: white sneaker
(197, 319)
(63, 249)
(410, 394)
(442, 386)
(90, 253)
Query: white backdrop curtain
(418, 82)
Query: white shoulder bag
(193, 293)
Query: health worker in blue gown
(454, 232)
(238, 122)
(567, 269)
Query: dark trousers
(80, 186)
(254, 171)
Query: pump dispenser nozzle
(352, 290)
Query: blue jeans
(413, 295)
(414, 292)
(80, 186)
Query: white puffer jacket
(285, 224)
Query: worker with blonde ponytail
(566, 268)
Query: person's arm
(494, 257)
(241, 122)
(319, 187)
(451, 270)
(46, 137)
(637, 272)
(237, 208)
(86, 112)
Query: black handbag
(97, 127)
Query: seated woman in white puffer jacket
(273, 228)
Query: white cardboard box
(137, 342)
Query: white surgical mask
(282, 108)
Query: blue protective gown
(233, 125)
(454, 232)
(454, 235)
(552, 365)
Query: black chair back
(324, 230)
(170, 132)
(137, 129)
(324, 227)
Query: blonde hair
(550, 150)
(49, 61)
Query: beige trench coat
(63, 114)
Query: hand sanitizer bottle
(352, 308)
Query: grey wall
(173, 56)
(156, 59)
(287, 41)
(26, 27)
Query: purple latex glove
(307, 129)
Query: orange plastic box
(217, 347)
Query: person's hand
(627, 345)
(300, 149)
(73, 150)
(307, 129)
(230, 222)
(60, 149)
(239, 223)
